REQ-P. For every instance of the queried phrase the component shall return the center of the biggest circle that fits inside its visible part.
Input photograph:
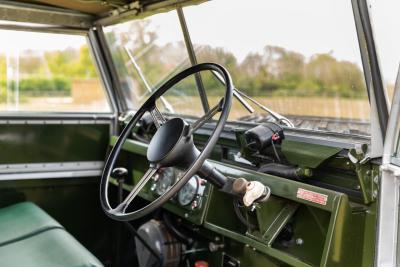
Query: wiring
(242, 219)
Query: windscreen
(300, 59)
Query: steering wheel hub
(171, 145)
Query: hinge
(368, 177)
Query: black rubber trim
(31, 234)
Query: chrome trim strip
(47, 167)
(51, 122)
(55, 115)
(50, 175)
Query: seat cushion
(55, 248)
(23, 219)
(30, 237)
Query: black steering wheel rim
(192, 169)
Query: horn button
(170, 146)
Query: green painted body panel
(307, 155)
(34, 143)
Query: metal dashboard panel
(336, 243)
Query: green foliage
(39, 85)
(279, 72)
(48, 74)
(71, 63)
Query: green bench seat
(30, 237)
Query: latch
(367, 176)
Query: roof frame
(41, 14)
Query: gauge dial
(188, 192)
(165, 181)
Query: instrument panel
(191, 194)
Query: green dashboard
(300, 225)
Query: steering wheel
(171, 146)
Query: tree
(335, 77)
(284, 65)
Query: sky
(18, 40)
(386, 24)
(308, 27)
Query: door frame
(389, 190)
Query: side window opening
(49, 73)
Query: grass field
(88, 96)
(357, 109)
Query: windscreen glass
(299, 58)
(146, 54)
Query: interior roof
(95, 7)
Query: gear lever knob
(120, 174)
(239, 186)
(252, 191)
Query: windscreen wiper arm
(277, 116)
(166, 104)
(239, 96)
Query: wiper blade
(280, 118)
(166, 104)
(239, 94)
(235, 93)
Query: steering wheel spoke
(136, 189)
(158, 117)
(206, 117)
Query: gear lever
(252, 191)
